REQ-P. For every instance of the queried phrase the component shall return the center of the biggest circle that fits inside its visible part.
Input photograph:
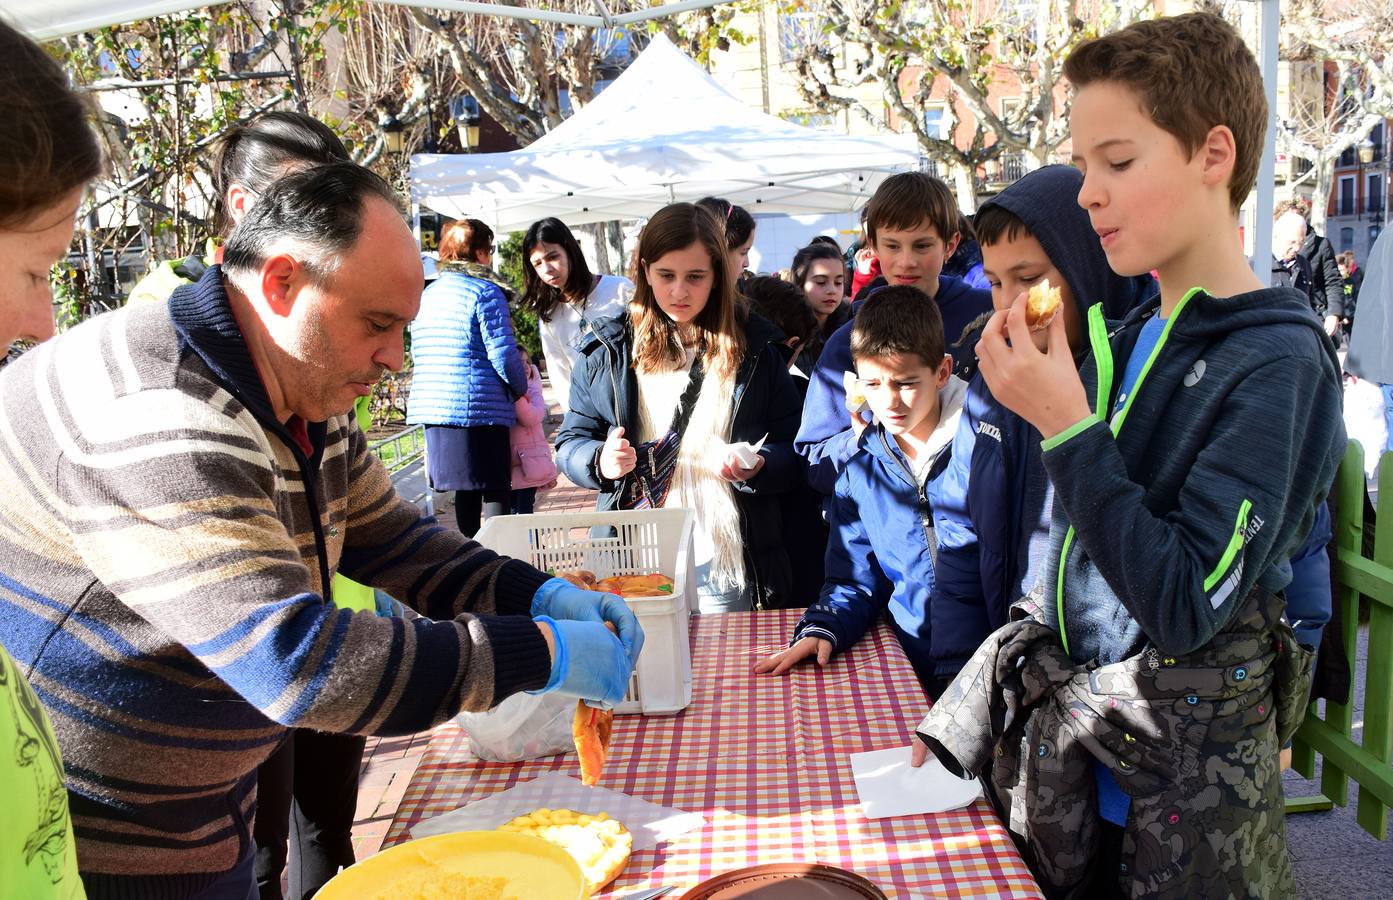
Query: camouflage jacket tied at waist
(1194, 740)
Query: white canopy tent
(44, 19)
(663, 131)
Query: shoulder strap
(687, 401)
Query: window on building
(1346, 207)
(1010, 107)
(1377, 137)
(1346, 239)
(797, 32)
(1373, 195)
(933, 121)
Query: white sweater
(561, 337)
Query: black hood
(1047, 201)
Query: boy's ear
(945, 369)
(1217, 155)
(951, 246)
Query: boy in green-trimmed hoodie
(1153, 679)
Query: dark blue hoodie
(1169, 510)
(1003, 517)
(825, 438)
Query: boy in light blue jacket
(883, 513)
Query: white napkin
(649, 823)
(746, 454)
(889, 786)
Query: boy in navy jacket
(882, 515)
(1031, 232)
(1188, 457)
(912, 223)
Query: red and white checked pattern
(765, 761)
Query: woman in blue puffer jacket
(466, 375)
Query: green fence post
(1378, 690)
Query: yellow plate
(441, 868)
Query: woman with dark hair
(739, 227)
(248, 158)
(48, 153)
(566, 298)
(819, 271)
(663, 399)
(466, 376)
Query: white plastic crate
(629, 542)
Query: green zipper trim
(1102, 353)
(1082, 424)
(1235, 544)
(1155, 352)
(1059, 586)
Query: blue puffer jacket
(880, 555)
(467, 371)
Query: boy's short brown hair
(1190, 73)
(783, 304)
(909, 199)
(898, 321)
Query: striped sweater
(164, 552)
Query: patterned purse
(647, 486)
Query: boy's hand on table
(1041, 387)
(780, 663)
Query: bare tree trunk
(964, 185)
(1320, 199)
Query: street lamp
(393, 134)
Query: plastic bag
(524, 726)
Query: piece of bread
(581, 578)
(591, 729)
(655, 585)
(600, 844)
(1042, 305)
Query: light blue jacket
(466, 368)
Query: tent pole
(1270, 16)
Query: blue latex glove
(559, 599)
(588, 662)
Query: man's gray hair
(314, 215)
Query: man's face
(1287, 234)
(1015, 265)
(1141, 189)
(340, 336)
(913, 256)
(902, 392)
(29, 249)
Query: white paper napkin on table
(889, 786)
(649, 823)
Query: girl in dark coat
(660, 395)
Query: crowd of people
(1099, 537)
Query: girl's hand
(780, 663)
(732, 470)
(617, 456)
(919, 753)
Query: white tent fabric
(44, 19)
(663, 131)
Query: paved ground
(1332, 856)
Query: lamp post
(393, 134)
(1366, 156)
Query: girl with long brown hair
(661, 394)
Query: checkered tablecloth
(765, 761)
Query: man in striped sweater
(181, 483)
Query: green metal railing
(1370, 762)
(401, 449)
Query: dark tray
(786, 881)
